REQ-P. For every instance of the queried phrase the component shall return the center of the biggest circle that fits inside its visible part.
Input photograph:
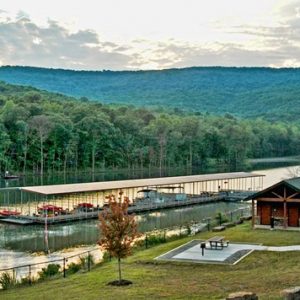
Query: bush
(84, 261)
(73, 268)
(152, 239)
(106, 257)
(7, 281)
(188, 229)
(221, 218)
(50, 271)
(27, 280)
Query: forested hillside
(249, 92)
(42, 131)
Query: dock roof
(132, 183)
(293, 183)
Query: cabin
(277, 206)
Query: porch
(278, 207)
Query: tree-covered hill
(248, 92)
(42, 132)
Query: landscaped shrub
(85, 261)
(73, 268)
(50, 271)
(106, 257)
(27, 280)
(152, 239)
(7, 281)
(221, 218)
(188, 229)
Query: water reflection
(32, 238)
(108, 175)
(17, 241)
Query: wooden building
(277, 206)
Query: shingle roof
(294, 182)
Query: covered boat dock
(84, 200)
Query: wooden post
(64, 267)
(284, 209)
(284, 214)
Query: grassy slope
(265, 273)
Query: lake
(17, 242)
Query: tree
(95, 132)
(42, 125)
(119, 230)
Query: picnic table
(217, 242)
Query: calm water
(17, 242)
(32, 238)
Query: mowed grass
(265, 273)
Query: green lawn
(265, 273)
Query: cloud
(23, 42)
(280, 42)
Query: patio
(192, 252)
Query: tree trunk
(25, 161)
(65, 164)
(65, 168)
(42, 156)
(161, 155)
(76, 160)
(93, 160)
(191, 156)
(119, 266)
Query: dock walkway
(141, 206)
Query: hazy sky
(149, 34)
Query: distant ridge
(242, 91)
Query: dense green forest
(246, 92)
(45, 132)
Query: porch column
(284, 214)
(253, 212)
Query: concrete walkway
(282, 248)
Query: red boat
(50, 208)
(8, 213)
(85, 205)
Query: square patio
(192, 252)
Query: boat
(50, 209)
(84, 207)
(9, 213)
(11, 177)
(85, 204)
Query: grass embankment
(265, 273)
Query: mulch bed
(122, 282)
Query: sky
(149, 34)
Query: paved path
(282, 248)
(278, 248)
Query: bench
(217, 243)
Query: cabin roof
(134, 183)
(294, 182)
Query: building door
(265, 214)
(293, 216)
